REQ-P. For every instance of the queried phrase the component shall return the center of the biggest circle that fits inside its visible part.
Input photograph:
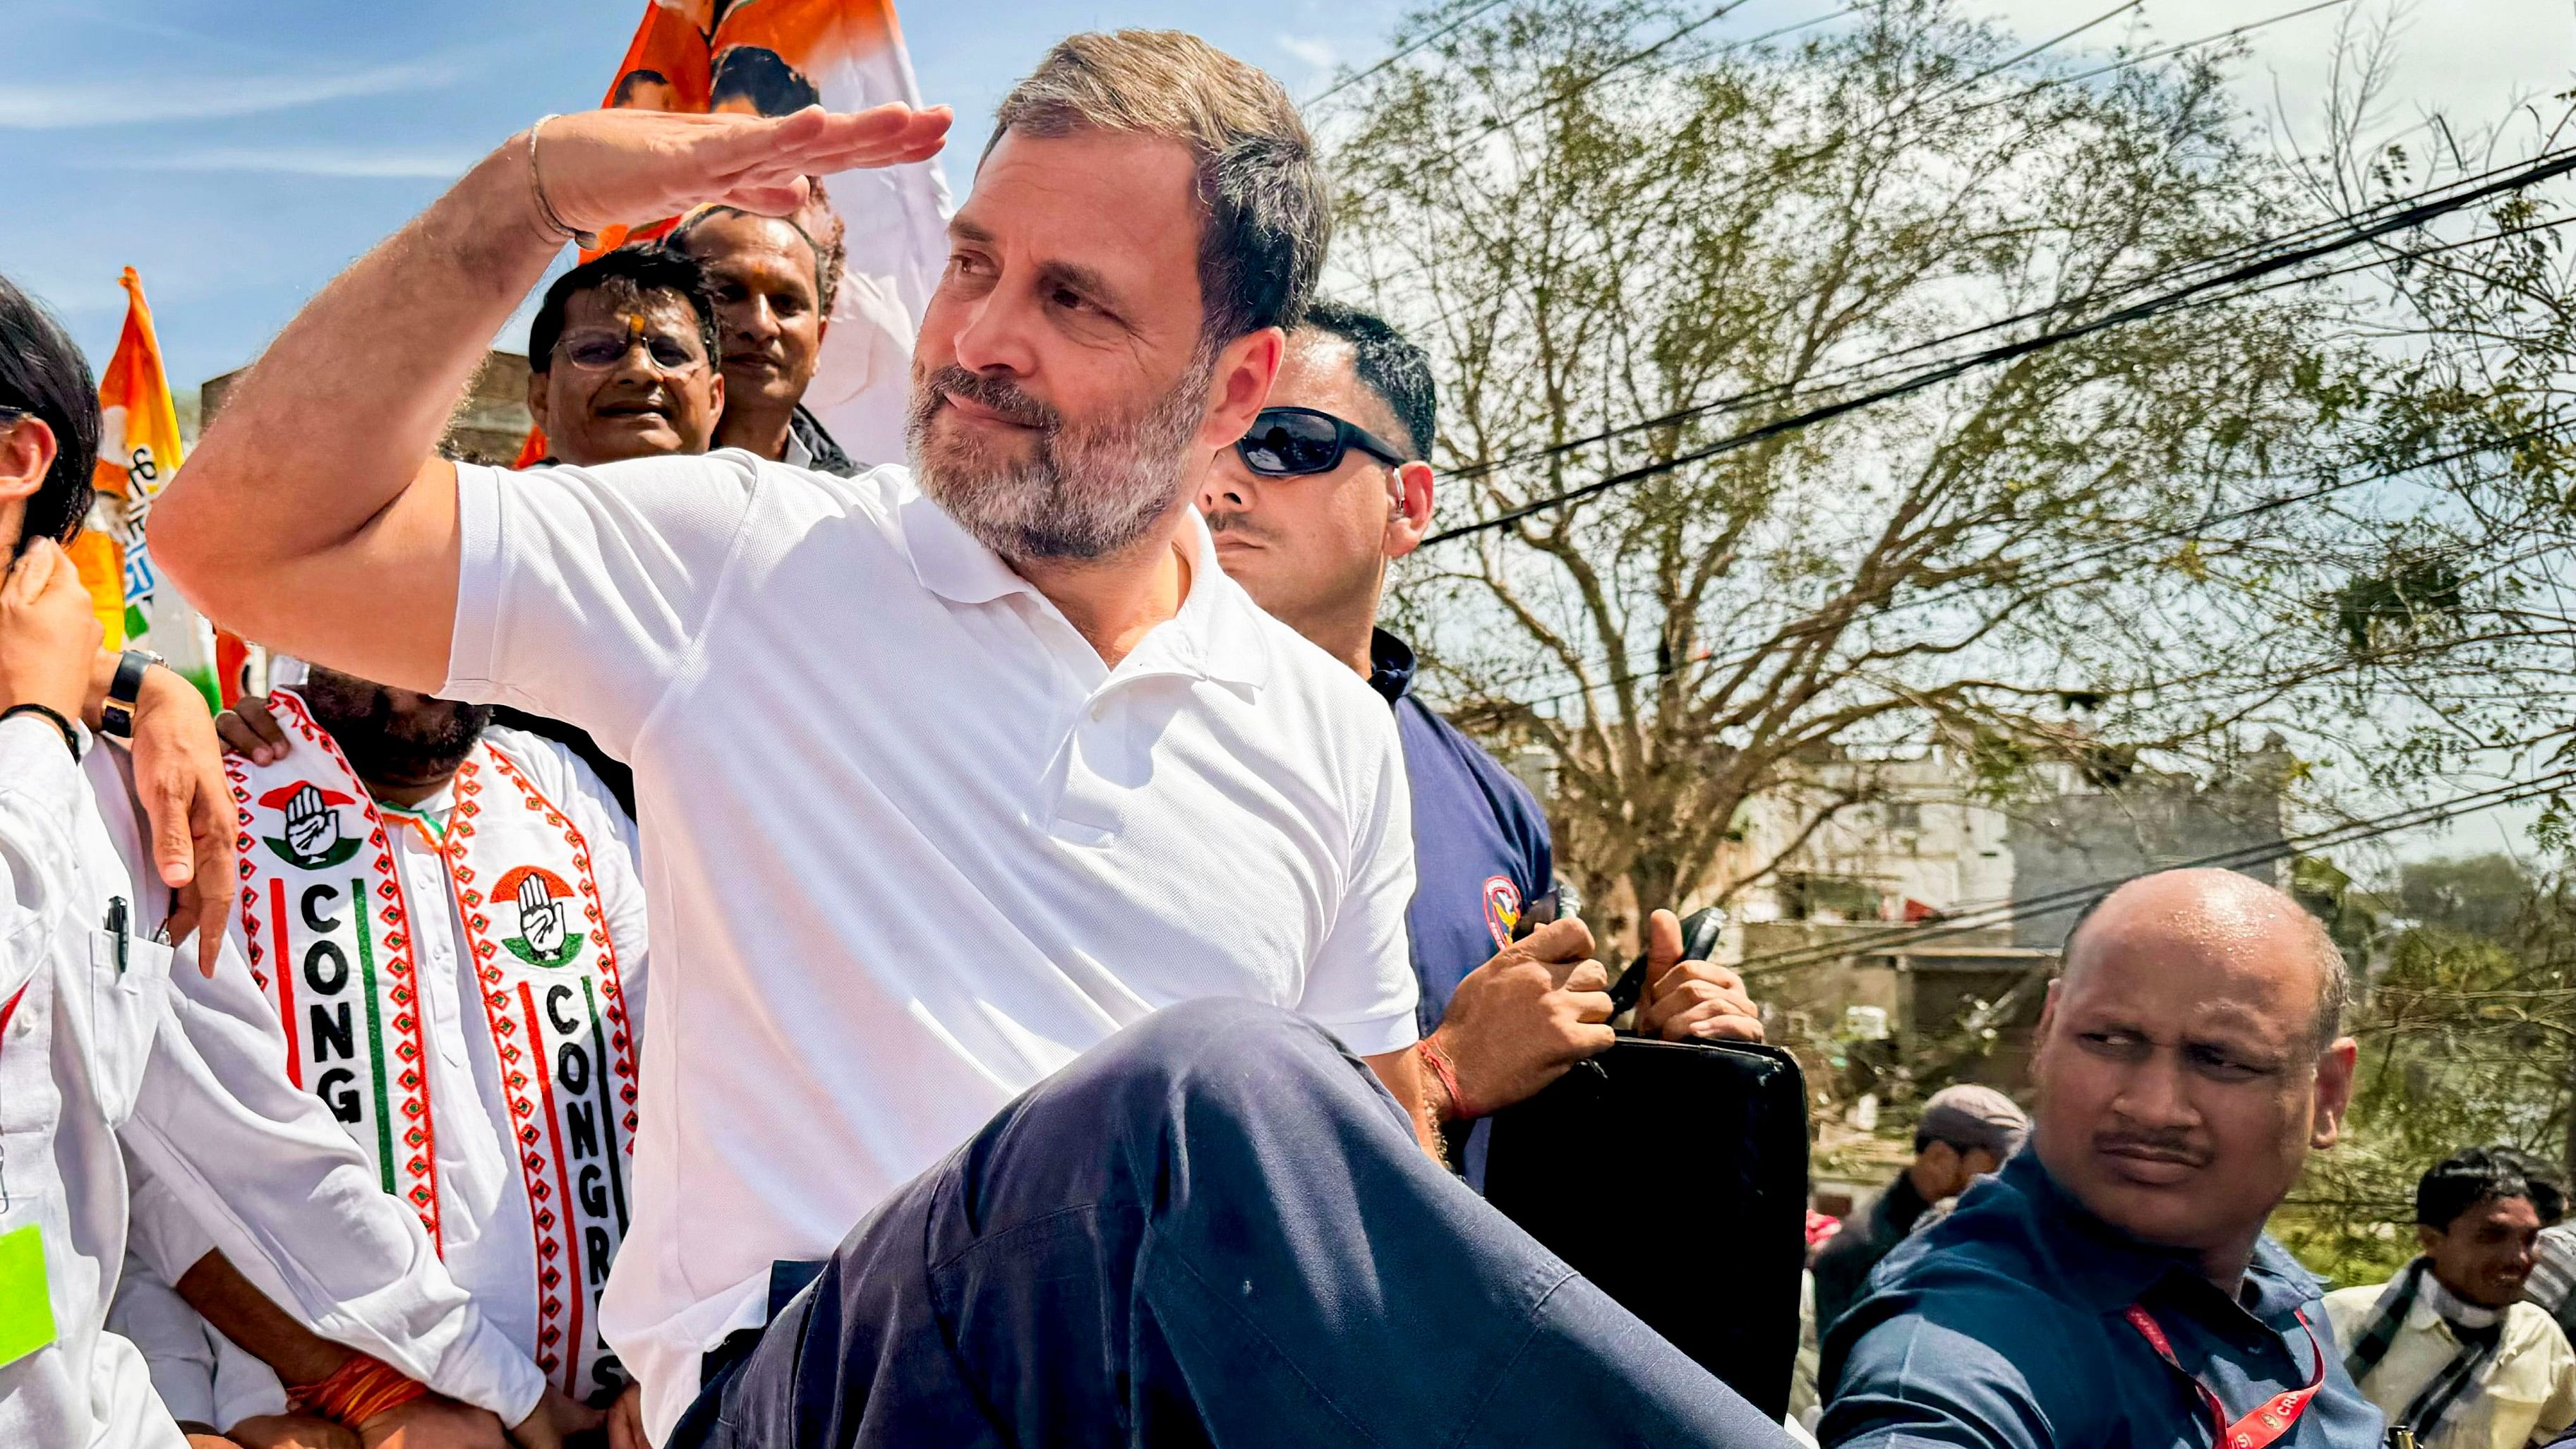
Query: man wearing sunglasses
(1328, 486)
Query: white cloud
(1320, 53)
(138, 99)
(311, 161)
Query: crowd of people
(718, 942)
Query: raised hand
(1691, 1000)
(179, 781)
(602, 168)
(312, 826)
(541, 917)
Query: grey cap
(1969, 1116)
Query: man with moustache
(108, 1057)
(1332, 483)
(774, 284)
(2112, 1287)
(623, 359)
(1056, 812)
(365, 835)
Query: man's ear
(1245, 368)
(539, 384)
(1409, 509)
(2334, 1091)
(27, 453)
(2427, 1238)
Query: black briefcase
(1674, 1175)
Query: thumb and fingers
(38, 569)
(1712, 1019)
(600, 168)
(1563, 947)
(250, 728)
(1663, 944)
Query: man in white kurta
(79, 1003)
(481, 1208)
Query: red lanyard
(9, 1008)
(2269, 1420)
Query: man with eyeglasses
(1329, 486)
(622, 359)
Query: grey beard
(1091, 492)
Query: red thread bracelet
(357, 1391)
(1447, 1071)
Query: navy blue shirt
(1480, 842)
(2001, 1327)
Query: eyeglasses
(600, 351)
(1288, 442)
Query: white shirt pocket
(124, 1001)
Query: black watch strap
(116, 717)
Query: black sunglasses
(1287, 442)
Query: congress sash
(329, 930)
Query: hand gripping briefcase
(1674, 1175)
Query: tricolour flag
(138, 450)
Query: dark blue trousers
(1215, 1228)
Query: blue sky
(240, 154)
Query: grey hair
(1269, 215)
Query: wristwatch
(116, 717)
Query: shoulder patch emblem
(1502, 909)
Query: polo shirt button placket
(1085, 812)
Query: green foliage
(2468, 1037)
(2012, 558)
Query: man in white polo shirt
(945, 776)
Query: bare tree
(1601, 211)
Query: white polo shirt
(909, 846)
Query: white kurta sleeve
(202, 1376)
(277, 1185)
(239, 1159)
(173, 1340)
(40, 793)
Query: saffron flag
(138, 451)
(776, 57)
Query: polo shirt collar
(948, 560)
(1390, 665)
(2108, 1270)
(1216, 635)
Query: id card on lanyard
(2269, 1420)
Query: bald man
(2112, 1287)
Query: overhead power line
(1723, 9)
(1444, 32)
(2131, 286)
(2413, 254)
(2044, 565)
(2074, 898)
(2554, 166)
